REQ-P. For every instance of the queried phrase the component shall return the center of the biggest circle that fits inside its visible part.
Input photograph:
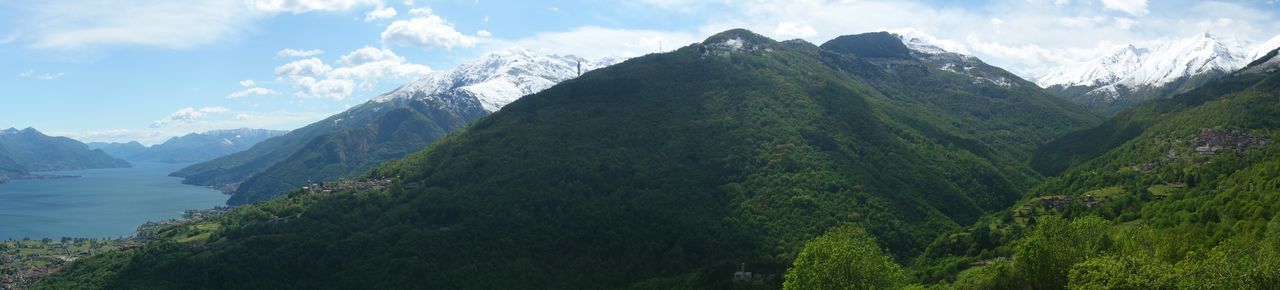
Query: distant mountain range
(741, 162)
(388, 127)
(190, 148)
(1134, 74)
(667, 171)
(25, 151)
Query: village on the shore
(23, 262)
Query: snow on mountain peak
(1154, 65)
(923, 43)
(1264, 48)
(499, 78)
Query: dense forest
(745, 163)
(1180, 194)
(342, 146)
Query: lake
(101, 203)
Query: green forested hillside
(341, 146)
(668, 171)
(347, 153)
(1181, 194)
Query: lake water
(101, 203)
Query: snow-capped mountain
(498, 78)
(923, 49)
(387, 127)
(1099, 72)
(1136, 73)
(1265, 47)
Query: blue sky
(147, 70)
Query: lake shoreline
(97, 203)
(44, 177)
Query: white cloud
(364, 67)
(188, 115)
(421, 11)
(66, 24)
(484, 33)
(1063, 35)
(44, 76)
(789, 29)
(310, 67)
(1133, 7)
(248, 83)
(997, 21)
(945, 44)
(254, 91)
(380, 13)
(425, 31)
(49, 76)
(1082, 21)
(302, 6)
(369, 54)
(370, 65)
(597, 42)
(289, 52)
(1125, 23)
(335, 89)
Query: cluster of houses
(1061, 202)
(24, 263)
(742, 275)
(151, 229)
(20, 278)
(18, 269)
(345, 185)
(1213, 141)
(1208, 142)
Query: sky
(148, 70)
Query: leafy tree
(845, 257)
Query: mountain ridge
(190, 148)
(667, 171)
(1131, 74)
(356, 140)
(29, 150)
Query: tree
(1045, 257)
(846, 257)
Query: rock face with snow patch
(1133, 74)
(387, 127)
(981, 72)
(498, 79)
